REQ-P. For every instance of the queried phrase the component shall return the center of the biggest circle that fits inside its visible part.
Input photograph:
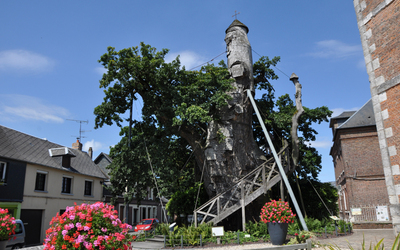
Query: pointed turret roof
(237, 23)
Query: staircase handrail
(239, 181)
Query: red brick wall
(392, 104)
(361, 152)
(378, 22)
(360, 157)
(372, 225)
(370, 6)
(385, 30)
(367, 192)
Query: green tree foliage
(183, 201)
(177, 104)
(314, 206)
(177, 107)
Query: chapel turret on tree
(231, 151)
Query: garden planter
(277, 232)
(3, 244)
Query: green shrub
(257, 229)
(300, 237)
(342, 225)
(313, 225)
(162, 229)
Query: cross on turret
(236, 14)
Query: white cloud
(320, 144)
(100, 70)
(15, 107)
(189, 59)
(24, 60)
(335, 49)
(93, 144)
(361, 64)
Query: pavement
(371, 237)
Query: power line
(272, 65)
(207, 62)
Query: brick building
(358, 168)
(378, 23)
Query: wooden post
(263, 177)
(195, 219)
(243, 207)
(218, 206)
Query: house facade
(150, 206)
(41, 178)
(358, 169)
(380, 38)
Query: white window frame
(3, 174)
(45, 181)
(71, 187)
(151, 194)
(91, 189)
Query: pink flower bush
(277, 211)
(88, 226)
(7, 225)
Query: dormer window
(63, 152)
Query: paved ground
(371, 236)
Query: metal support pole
(283, 175)
(243, 207)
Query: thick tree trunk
(230, 151)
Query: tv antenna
(80, 128)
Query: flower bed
(7, 225)
(88, 226)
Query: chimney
(77, 145)
(90, 152)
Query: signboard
(382, 213)
(217, 231)
(334, 217)
(356, 211)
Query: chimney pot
(90, 152)
(77, 145)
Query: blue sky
(49, 52)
